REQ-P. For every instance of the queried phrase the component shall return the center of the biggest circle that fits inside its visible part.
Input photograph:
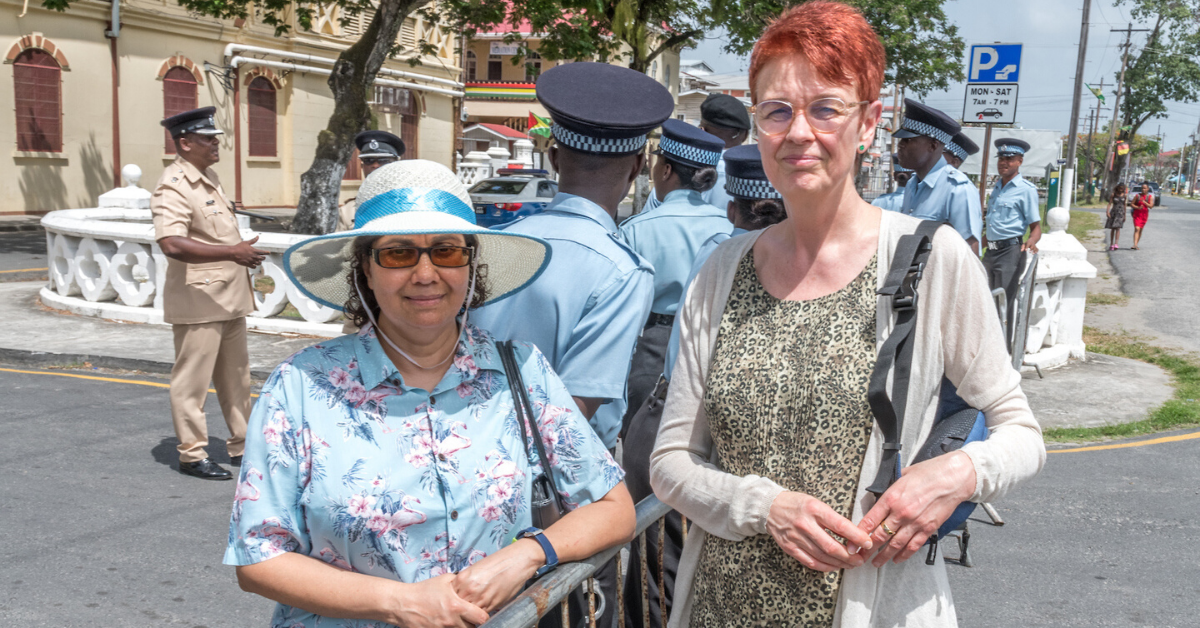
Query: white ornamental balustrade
(105, 262)
(1059, 296)
(475, 167)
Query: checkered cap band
(957, 150)
(688, 153)
(1010, 149)
(588, 144)
(927, 130)
(750, 188)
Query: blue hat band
(688, 153)
(589, 144)
(927, 130)
(405, 200)
(750, 188)
(1009, 149)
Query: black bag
(546, 503)
(954, 426)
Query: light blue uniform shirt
(586, 311)
(945, 195)
(1012, 208)
(669, 237)
(348, 465)
(890, 201)
(702, 256)
(717, 197)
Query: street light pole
(1110, 160)
(1067, 185)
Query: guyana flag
(538, 125)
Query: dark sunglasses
(377, 161)
(443, 255)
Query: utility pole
(1089, 187)
(1067, 184)
(1195, 162)
(1110, 160)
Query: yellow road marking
(102, 379)
(24, 270)
(1140, 443)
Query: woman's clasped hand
(899, 524)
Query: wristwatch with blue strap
(551, 556)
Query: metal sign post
(991, 95)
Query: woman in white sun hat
(386, 476)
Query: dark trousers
(639, 444)
(648, 361)
(1004, 268)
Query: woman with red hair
(768, 442)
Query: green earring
(862, 148)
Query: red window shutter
(410, 115)
(261, 98)
(179, 95)
(353, 168)
(36, 78)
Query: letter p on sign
(978, 64)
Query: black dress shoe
(235, 461)
(205, 469)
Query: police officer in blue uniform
(586, 310)
(754, 204)
(669, 237)
(959, 148)
(1012, 209)
(893, 200)
(937, 191)
(726, 117)
(375, 149)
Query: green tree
(1164, 69)
(351, 82)
(924, 49)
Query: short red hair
(833, 37)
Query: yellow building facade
(84, 99)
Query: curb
(19, 228)
(45, 359)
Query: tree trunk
(351, 82)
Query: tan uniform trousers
(206, 352)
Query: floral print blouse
(346, 464)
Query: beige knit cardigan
(957, 333)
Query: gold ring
(886, 530)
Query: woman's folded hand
(493, 581)
(434, 603)
(801, 524)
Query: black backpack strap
(895, 356)
(524, 411)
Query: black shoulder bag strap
(524, 410)
(908, 265)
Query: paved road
(98, 529)
(21, 251)
(1165, 274)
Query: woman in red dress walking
(1141, 212)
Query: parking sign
(995, 63)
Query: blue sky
(1049, 30)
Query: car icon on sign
(990, 113)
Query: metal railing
(552, 590)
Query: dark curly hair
(759, 213)
(354, 309)
(692, 177)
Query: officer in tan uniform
(375, 149)
(207, 292)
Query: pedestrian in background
(959, 148)
(375, 149)
(1115, 214)
(767, 433)
(892, 201)
(724, 116)
(1013, 210)
(1142, 202)
(207, 293)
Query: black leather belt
(659, 319)
(1000, 245)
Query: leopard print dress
(786, 399)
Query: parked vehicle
(513, 194)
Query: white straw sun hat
(412, 197)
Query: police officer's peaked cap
(1011, 146)
(962, 146)
(199, 121)
(921, 119)
(744, 176)
(897, 166)
(603, 109)
(378, 144)
(725, 110)
(689, 145)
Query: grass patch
(1082, 223)
(1182, 411)
(290, 311)
(1097, 298)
